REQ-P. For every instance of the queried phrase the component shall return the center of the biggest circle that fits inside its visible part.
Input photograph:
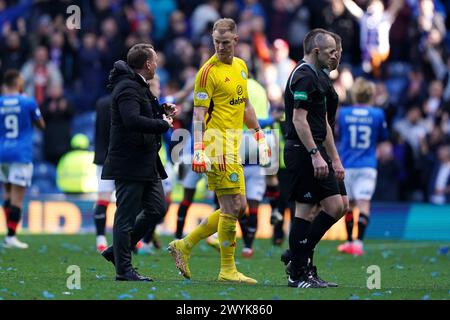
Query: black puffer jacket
(136, 128)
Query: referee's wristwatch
(313, 151)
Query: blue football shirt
(361, 128)
(17, 113)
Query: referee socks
(320, 225)
(298, 242)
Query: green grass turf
(409, 270)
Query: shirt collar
(303, 62)
(142, 77)
(326, 71)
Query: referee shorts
(303, 186)
(342, 189)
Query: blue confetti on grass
(266, 282)
(399, 266)
(14, 294)
(443, 250)
(386, 254)
(269, 254)
(48, 295)
(231, 289)
(223, 293)
(133, 290)
(426, 297)
(100, 276)
(124, 296)
(186, 281)
(71, 247)
(186, 295)
(3, 290)
(43, 249)
(275, 298)
(432, 260)
(22, 282)
(150, 296)
(354, 297)
(434, 274)
(153, 288)
(378, 294)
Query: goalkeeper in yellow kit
(220, 108)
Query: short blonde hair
(363, 91)
(225, 24)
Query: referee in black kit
(332, 102)
(137, 122)
(308, 155)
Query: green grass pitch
(408, 270)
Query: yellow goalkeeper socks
(227, 238)
(206, 228)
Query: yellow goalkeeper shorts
(226, 175)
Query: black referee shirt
(305, 90)
(102, 128)
(331, 96)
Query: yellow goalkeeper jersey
(222, 88)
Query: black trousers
(139, 205)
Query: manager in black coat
(137, 122)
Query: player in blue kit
(18, 113)
(361, 128)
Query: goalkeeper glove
(263, 148)
(200, 162)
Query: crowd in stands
(403, 45)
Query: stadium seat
(84, 123)
(44, 170)
(43, 186)
(38, 146)
(44, 179)
(397, 82)
(84, 119)
(396, 88)
(399, 69)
